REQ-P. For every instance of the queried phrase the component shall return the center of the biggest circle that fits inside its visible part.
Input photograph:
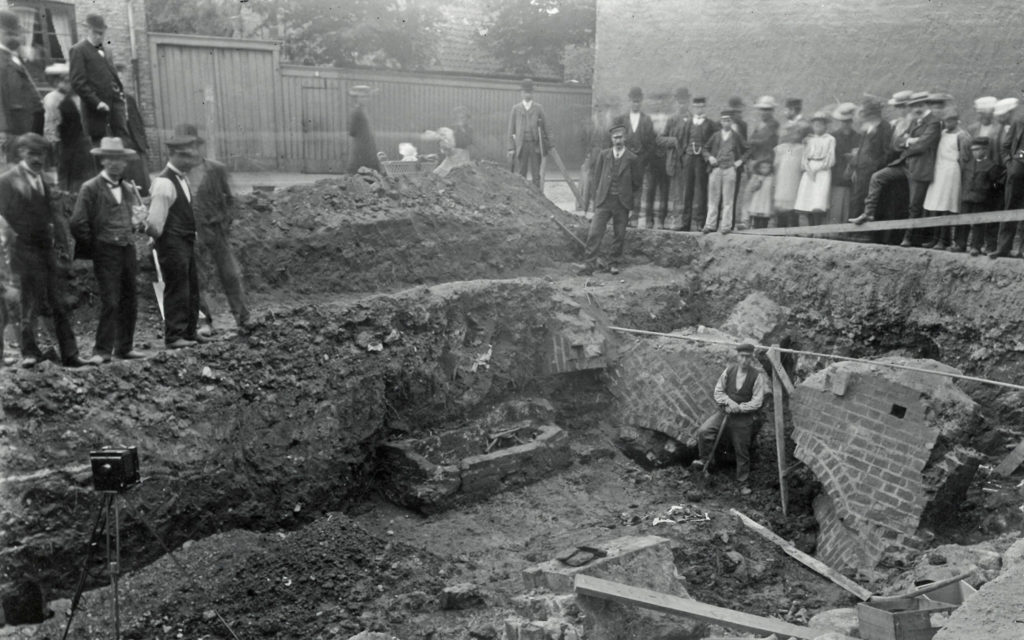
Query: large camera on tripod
(114, 468)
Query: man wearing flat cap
(739, 394)
(528, 135)
(95, 80)
(617, 177)
(915, 165)
(21, 110)
(172, 225)
(25, 204)
(104, 221)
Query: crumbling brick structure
(883, 443)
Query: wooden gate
(230, 89)
(324, 148)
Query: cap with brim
(987, 103)
(746, 347)
(617, 127)
(1006, 105)
(112, 148)
(183, 136)
(981, 141)
(844, 111)
(700, 100)
(727, 113)
(765, 102)
(900, 98)
(920, 97)
(57, 69)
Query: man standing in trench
(739, 394)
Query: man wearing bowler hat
(739, 394)
(95, 80)
(915, 165)
(172, 225)
(528, 135)
(25, 205)
(617, 177)
(103, 220)
(21, 109)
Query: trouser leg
(129, 306)
(598, 224)
(106, 264)
(728, 197)
(620, 217)
(707, 433)
(918, 191)
(715, 185)
(740, 431)
(181, 287)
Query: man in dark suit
(618, 176)
(528, 135)
(22, 108)
(673, 155)
(692, 135)
(1012, 154)
(25, 204)
(640, 139)
(95, 80)
(915, 164)
(869, 157)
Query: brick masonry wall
(868, 460)
(115, 12)
(819, 51)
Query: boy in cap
(25, 205)
(21, 110)
(95, 80)
(724, 154)
(617, 177)
(739, 394)
(981, 180)
(104, 221)
(172, 225)
(528, 135)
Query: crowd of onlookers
(78, 144)
(844, 163)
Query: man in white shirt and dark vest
(739, 394)
(172, 225)
(528, 136)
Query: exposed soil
(378, 302)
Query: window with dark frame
(49, 29)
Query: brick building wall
(819, 51)
(867, 440)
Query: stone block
(644, 561)
(842, 621)
(755, 318)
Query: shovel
(158, 286)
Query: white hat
(988, 103)
(765, 102)
(1006, 105)
(57, 69)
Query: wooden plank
(780, 440)
(923, 589)
(808, 561)
(565, 174)
(1011, 462)
(776, 360)
(674, 605)
(1014, 215)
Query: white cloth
(634, 120)
(944, 191)
(814, 193)
(788, 158)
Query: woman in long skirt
(943, 195)
(815, 190)
(788, 160)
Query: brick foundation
(870, 437)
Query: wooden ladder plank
(808, 561)
(780, 440)
(674, 605)
(1011, 461)
(1014, 215)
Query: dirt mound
(361, 233)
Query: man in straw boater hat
(739, 394)
(364, 147)
(95, 80)
(25, 204)
(529, 139)
(172, 225)
(103, 220)
(63, 128)
(21, 110)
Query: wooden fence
(262, 115)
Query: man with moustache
(21, 108)
(618, 176)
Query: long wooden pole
(891, 365)
(780, 440)
(1013, 215)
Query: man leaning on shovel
(739, 394)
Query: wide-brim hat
(900, 98)
(1006, 105)
(184, 135)
(919, 97)
(95, 21)
(765, 102)
(112, 148)
(58, 69)
(985, 104)
(845, 111)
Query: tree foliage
(384, 33)
(530, 36)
